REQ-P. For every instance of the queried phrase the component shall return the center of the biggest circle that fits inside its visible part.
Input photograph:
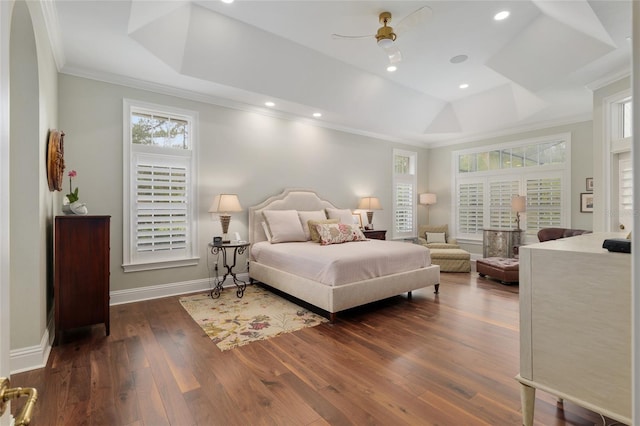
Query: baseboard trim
(33, 357)
(120, 297)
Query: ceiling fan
(386, 36)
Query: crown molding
(513, 131)
(52, 24)
(226, 103)
(608, 79)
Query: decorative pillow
(284, 226)
(305, 217)
(265, 227)
(315, 237)
(343, 215)
(435, 237)
(339, 233)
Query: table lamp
(223, 204)
(369, 204)
(519, 205)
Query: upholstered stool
(451, 260)
(507, 270)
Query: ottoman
(504, 269)
(451, 260)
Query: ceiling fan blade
(350, 37)
(413, 19)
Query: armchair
(450, 243)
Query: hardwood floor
(447, 359)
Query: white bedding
(339, 264)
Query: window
(404, 193)
(617, 186)
(470, 208)
(160, 229)
(488, 178)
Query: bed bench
(451, 260)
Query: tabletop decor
(72, 204)
(231, 322)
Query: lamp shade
(225, 203)
(519, 203)
(428, 199)
(369, 203)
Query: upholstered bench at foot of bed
(451, 260)
(506, 270)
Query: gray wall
(33, 106)
(250, 154)
(439, 172)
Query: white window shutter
(544, 203)
(404, 208)
(500, 194)
(161, 206)
(470, 208)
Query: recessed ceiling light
(501, 15)
(227, 1)
(458, 58)
(270, 104)
(392, 68)
(317, 114)
(464, 85)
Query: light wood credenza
(575, 325)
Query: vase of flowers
(71, 203)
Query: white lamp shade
(519, 203)
(225, 203)
(369, 203)
(428, 199)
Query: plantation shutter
(544, 203)
(470, 208)
(404, 208)
(500, 194)
(625, 193)
(161, 220)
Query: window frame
(131, 262)
(486, 177)
(614, 145)
(409, 178)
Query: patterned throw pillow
(313, 231)
(337, 233)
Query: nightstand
(375, 234)
(238, 248)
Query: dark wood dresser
(375, 234)
(81, 272)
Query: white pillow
(284, 226)
(435, 237)
(266, 231)
(343, 215)
(306, 216)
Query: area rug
(258, 315)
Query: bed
(338, 281)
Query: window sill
(149, 266)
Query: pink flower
(72, 196)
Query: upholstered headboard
(289, 199)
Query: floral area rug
(258, 315)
